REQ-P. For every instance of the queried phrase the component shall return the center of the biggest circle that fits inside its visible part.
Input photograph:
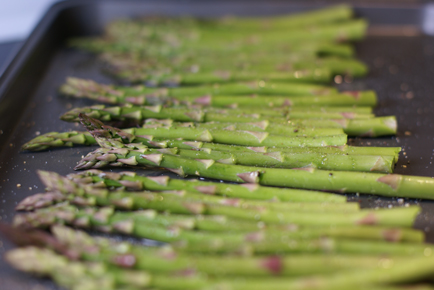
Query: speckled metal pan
(400, 56)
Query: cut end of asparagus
(381, 165)
(392, 124)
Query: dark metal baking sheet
(400, 57)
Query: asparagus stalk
(224, 136)
(282, 160)
(129, 256)
(100, 92)
(354, 127)
(105, 219)
(168, 260)
(132, 181)
(72, 138)
(218, 40)
(299, 20)
(278, 63)
(66, 188)
(342, 162)
(263, 126)
(93, 276)
(133, 66)
(243, 138)
(318, 75)
(307, 178)
(141, 95)
(366, 98)
(244, 209)
(192, 39)
(108, 94)
(61, 184)
(260, 242)
(332, 14)
(388, 274)
(336, 65)
(201, 115)
(69, 274)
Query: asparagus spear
(69, 139)
(167, 260)
(365, 127)
(92, 276)
(263, 126)
(243, 138)
(72, 138)
(366, 98)
(306, 178)
(87, 88)
(139, 113)
(133, 258)
(131, 65)
(276, 159)
(105, 219)
(244, 209)
(191, 39)
(262, 242)
(336, 65)
(129, 256)
(218, 40)
(135, 182)
(226, 136)
(239, 137)
(140, 95)
(154, 78)
(343, 162)
(61, 184)
(303, 19)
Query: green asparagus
(354, 127)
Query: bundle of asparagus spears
(242, 100)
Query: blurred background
(17, 19)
